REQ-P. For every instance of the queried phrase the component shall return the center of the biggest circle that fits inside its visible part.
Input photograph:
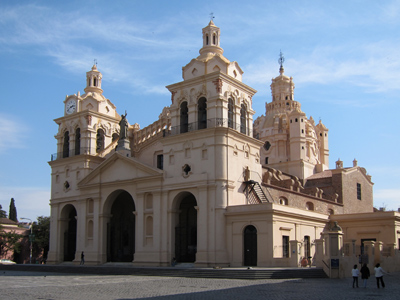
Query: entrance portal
(70, 235)
(186, 231)
(121, 229)
(250, 246)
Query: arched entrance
(250, 245)
(121, 229)
(186, 230)
(69, 213)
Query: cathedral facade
(205, 183)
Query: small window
(307, 246)
(309, 206)
(267, 145)
(295, 120)
(285, 246)
(283, 201)
(359, 191)
(266, 160)
(160, 161)
(302, 131)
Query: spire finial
(95, 62)
(281, 60)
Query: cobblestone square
(48, 286)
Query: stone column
(333, 250)
(319, 252)
(378, 252)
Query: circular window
(267, 145)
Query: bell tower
(87, 132)
(211, 142)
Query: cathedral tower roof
(93, 80)
(211, 58)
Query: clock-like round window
(267, 145)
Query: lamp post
(30, 239)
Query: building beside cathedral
(206, 183)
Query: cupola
(211, 40)
(93, 80)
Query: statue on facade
(123, 125)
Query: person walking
(379, 275)
(355, 273)
(365, 274)
(82, 258)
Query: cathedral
(207, 184)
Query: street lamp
(30, 239)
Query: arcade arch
(120, 227)
(68, 227)
(185, 226)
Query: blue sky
(343, 55)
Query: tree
(3, 213)
(10, 242)
(41, 230)
(12, 214)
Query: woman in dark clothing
(365, 274)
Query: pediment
(119, 168)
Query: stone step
(189, 272)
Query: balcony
(71, 153)
(209, 123)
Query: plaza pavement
(23, 285)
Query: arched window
(115, 137)
(214, 39)
(202, 113)
(100, 140)
(66, 144)
(77, 141)
(243, 121)
(309, 206)
(230, 113)
(94, 82)
(207, 39)
(283, 201)
(184, 117)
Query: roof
(7, 221)
(323, 174)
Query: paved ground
(46, 286)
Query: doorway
(186, 231)
(250, 245)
